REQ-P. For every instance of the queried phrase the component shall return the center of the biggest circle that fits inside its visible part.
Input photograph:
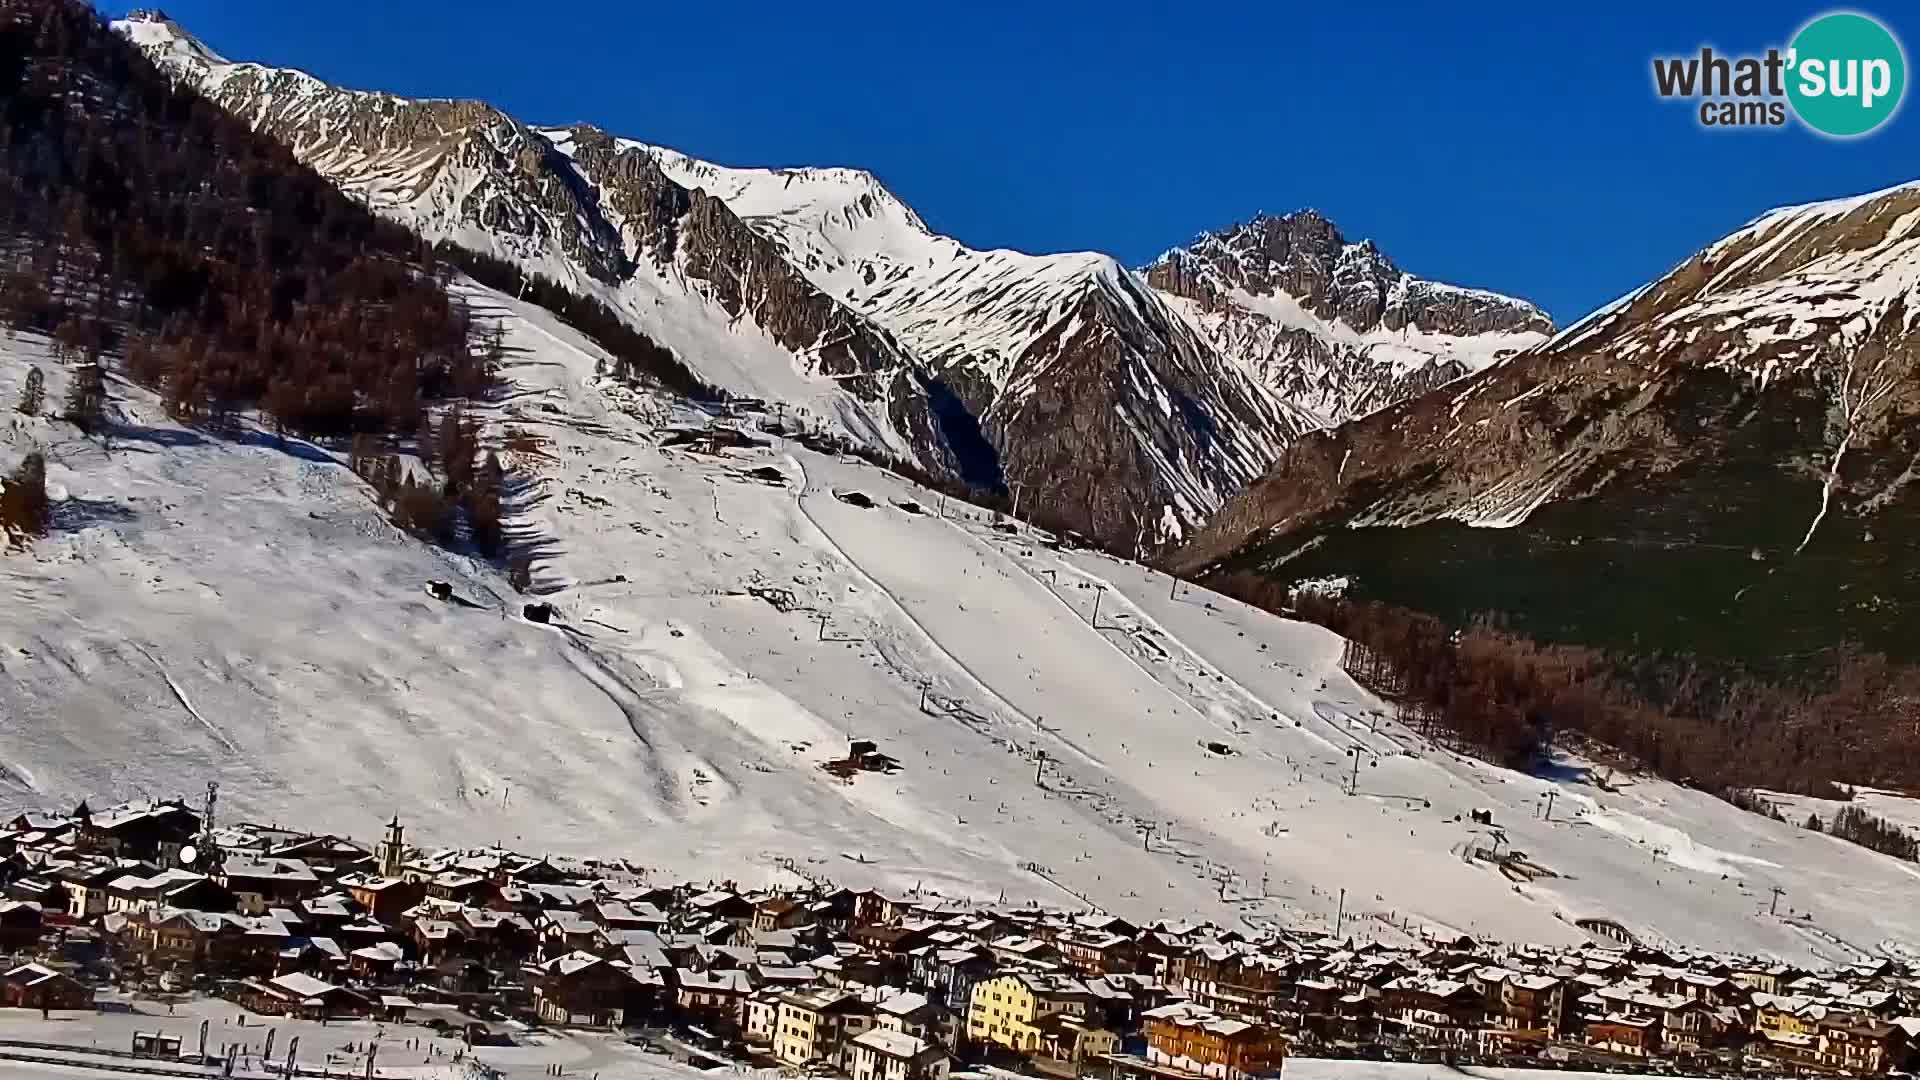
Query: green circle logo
(1847, 74)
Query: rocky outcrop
(1336, 326)
(1304, 256)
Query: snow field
(240, 611)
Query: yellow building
(1785, 1019)
(815, 1027)
(1006, 1010)
(1787, 1026)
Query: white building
(881, 1054)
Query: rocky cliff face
(1722, 462)
(1335, 325)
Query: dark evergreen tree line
(138, 218)
(635, 355)
(1855, 824)
(25, 511)
(1508, 698)
(463, 492)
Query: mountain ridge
(1067, 376)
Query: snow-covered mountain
(1063, 359)
(241, 611)
(1063, 376)
(1335, 326)
(1130, 405)
(1734, 445)
(233, 603)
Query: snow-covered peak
(993, 363)
(1333, 324)
(157, 34)
(858, 240)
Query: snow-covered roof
(894, 1044)
(302, 985)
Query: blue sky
(1505, 148)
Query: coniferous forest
(1510, 700)
(142, 221)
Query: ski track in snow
(180, 696)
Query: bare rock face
(1334, 325)
(1723, 462)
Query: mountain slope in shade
(1722, 462)
(1063, 377)
(1335, 326)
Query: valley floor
(240, 611)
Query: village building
(1195, 1040)
(712, 997)
(184, 940)
(87, 885)
(36, 986)
(882, 1054)
(950, 972)
(1436, 1011)
(1006, 1010)
(583, 990)
(1075, 1039)
(383, 897)
(780, 913)
(148, 831)
(815, 1027)
(1858, 1044)
(260, 884)
(303, 996)
(21, 923)
(1624, 1034)
(133, 893)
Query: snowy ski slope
(240, 611)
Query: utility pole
(1099, 592)
(1353, 780)
(1774, 908)
(1340, 914)
(1550, 794)
(1173, 587)
(823, 626)
(1039, 762)
(1018, 486)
